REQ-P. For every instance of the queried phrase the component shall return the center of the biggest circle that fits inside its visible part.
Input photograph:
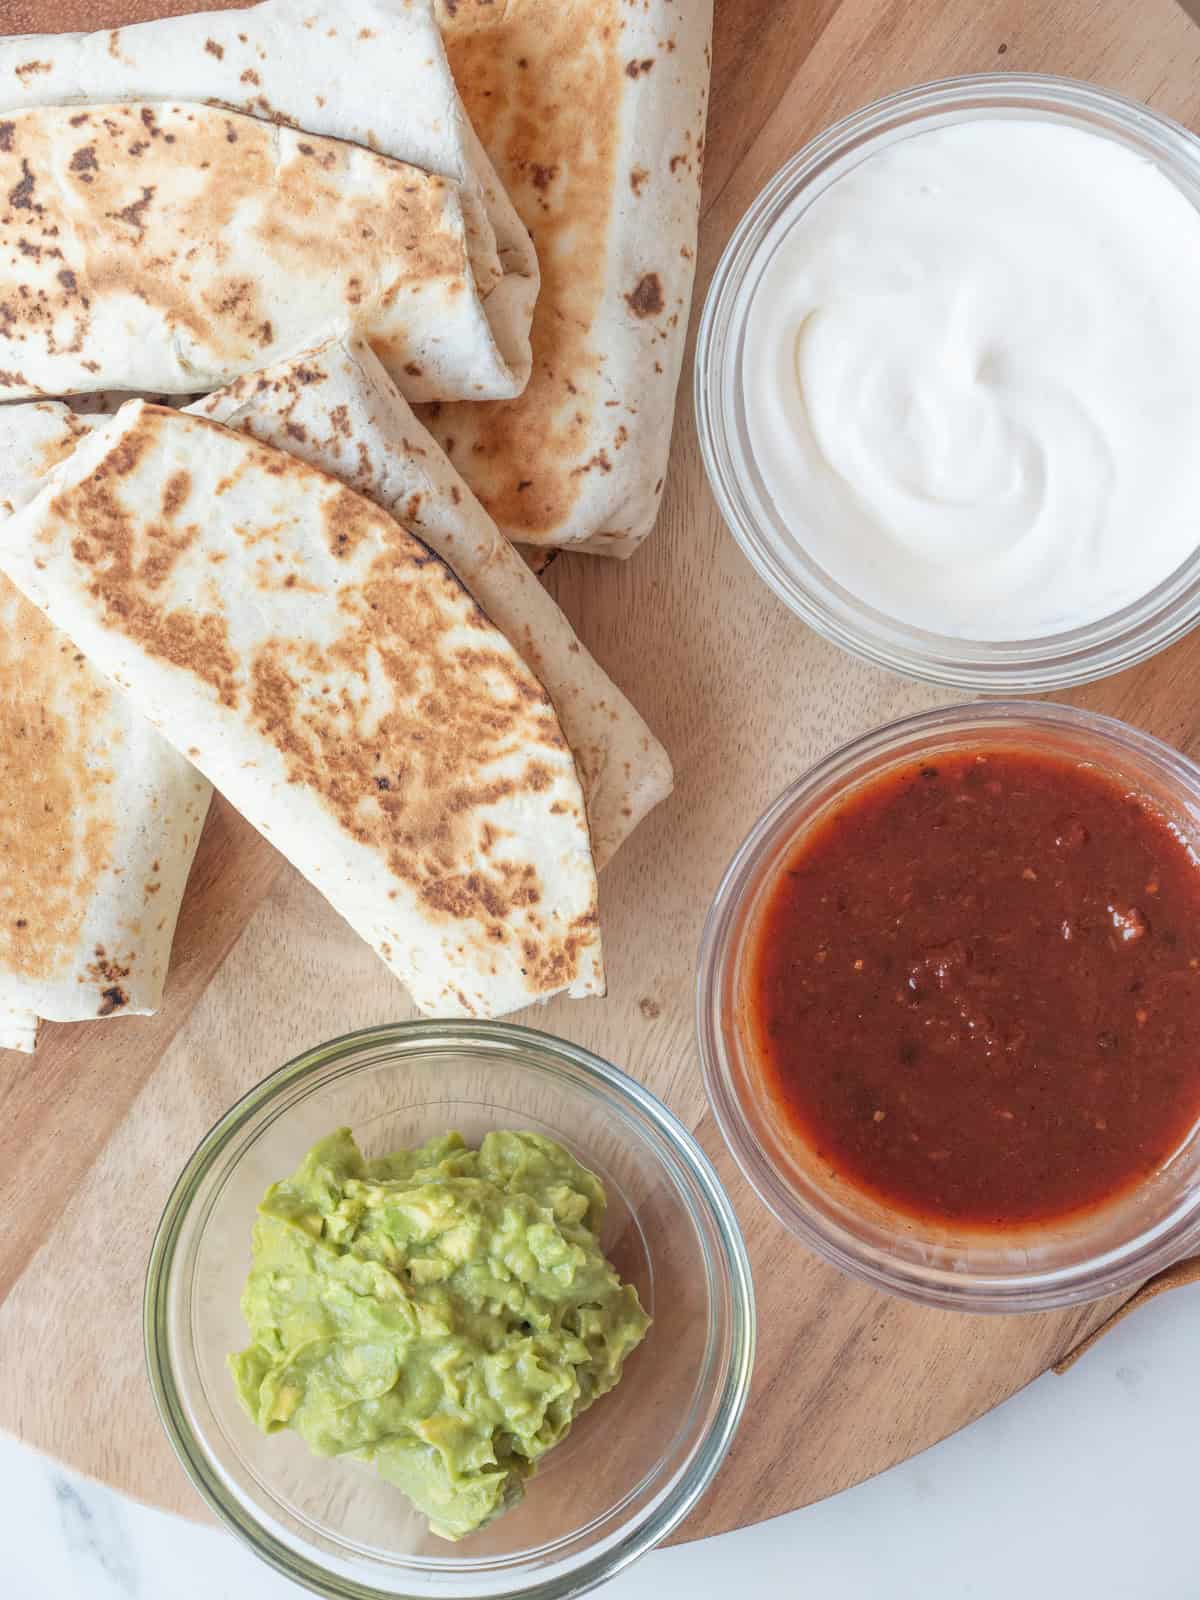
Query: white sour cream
(972, 378)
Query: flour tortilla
(334, 680)
(594, 112)
(34, 438)
(372, 72)
(174, 246)
(336, 408)
(99, 816)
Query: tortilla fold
(173, 246)
(594, 112)
(99, 816)
(334, 680)
(371, 72)
(336, 408)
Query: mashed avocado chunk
(443, 1312)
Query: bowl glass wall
(774, 545)
(1098, 1253)
(633, 1465)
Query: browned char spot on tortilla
(83, 163)
(134, 214)
(542, 106)
(20, 196)
(112, 999)
(175, 491)
(646, 300)
(108, 975)
(348, 519)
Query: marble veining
(94, 1533)
(1079, 1486)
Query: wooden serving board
(94, 1129)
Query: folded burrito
(336, 408)
(335, 681)
(174, 246)
(594, 113)
(373, 72)
(99, 816)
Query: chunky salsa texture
(444, 1312)
(975, 988)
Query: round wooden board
(94, 1130)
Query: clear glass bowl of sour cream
(633, 1465)
(948, 383)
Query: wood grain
(848, 1381)
(83, 16)
(59, 1108)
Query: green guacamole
(443, 1312)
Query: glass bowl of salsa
(948, 1001)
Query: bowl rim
(421, 1035)
(1073, 656)
(1119, 1267)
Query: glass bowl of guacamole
(450, 1309)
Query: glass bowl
(1053, 1265)
(635, 1463)
(776, 550)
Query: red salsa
(975, 989)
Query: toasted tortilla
(99, 816)
(172, 247)
(34, 438)
(594, 113)
(371, 72)
(337, 408)
(336, 682)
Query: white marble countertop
(1080, 1486)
